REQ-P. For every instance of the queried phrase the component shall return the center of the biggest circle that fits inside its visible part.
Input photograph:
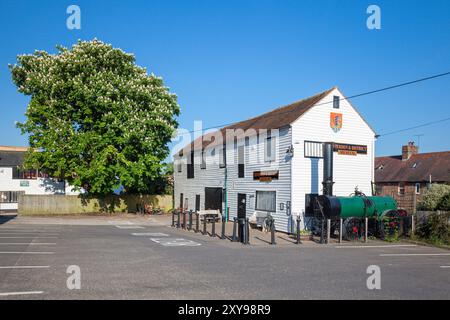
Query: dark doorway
(213, 199)
(241, 213)
(197, 202)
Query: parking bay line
(29, 244)
(444, 267)
(26, 252)
(377, 246)
(24, 267)
(4, 294)
(150, 234)
(15, 237)
(412, 254)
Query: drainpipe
(226, 194)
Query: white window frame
(417, 188)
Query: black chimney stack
(327, 169)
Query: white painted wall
(36, 187)
(349, 171)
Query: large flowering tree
(97, 119)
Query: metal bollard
(272, 233)
(340, 230)
(328, 230)
(234, 239)
(190, 220)
(204, 225)
(173, 218)
(213, 229)
(366, 225)
(197, 222)
(247, 231)
(178, 219)
(184, 219)
(222, 236)
(298, 230)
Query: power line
(352, 97)
(415, 127)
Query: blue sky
(230, 60)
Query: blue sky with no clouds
(231, 60)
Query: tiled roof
(417, 168)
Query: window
(417, 187)
(179, 165)
(266, 201)
(190, 167)
(223, 157)
(24, 174)
(313, 149)
(336, 102)
(203, 160)
(270, 152)
(310, 199)
(401, 189)
(9, 196)
(241, 161)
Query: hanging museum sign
(265, 176)
(349, 149)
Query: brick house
(405, 177)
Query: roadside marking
(175, 242)
(26, 252)
(377, 246)
(444, 267)
(151, 234)
(29, 244)
(24, 267)
(129, 227)
(29, 233)
(413, 254)
(3, 294)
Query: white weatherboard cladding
(213, 176)
(349, 171)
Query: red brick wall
(408, 201)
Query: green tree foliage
(97, 119)
(433, 197)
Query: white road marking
(377, 246)
(413, 254)
(24, 267)
(4, 294)
(175, 242)
(444, 267)
(28, 244)
(118, 222)
(29, 233)
(28, 237)
(151, 234)
(129, 227)
(25, 252)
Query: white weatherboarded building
(273, 162)
(14, 180)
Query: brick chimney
(409, 150)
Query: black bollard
(247, 231)
(178, 219)
(234, 239)
(190, 220)
(222, 236)
(272, 233)
(213, 229)
(197, 222)
(298, 230)
(173, 218)
(204, 224)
